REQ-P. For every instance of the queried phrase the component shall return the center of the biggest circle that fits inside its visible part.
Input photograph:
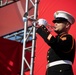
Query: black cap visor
(60, 20)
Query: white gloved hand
(42, 22)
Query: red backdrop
(46, 10)
(12, 22)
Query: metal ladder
(26, 36)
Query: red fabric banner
(46, 11)
(10, 57)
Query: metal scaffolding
(26, 36)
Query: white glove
(42, 22)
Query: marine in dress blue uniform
(61, 54)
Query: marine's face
(59, 27)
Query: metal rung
(28, 48)
(27, 63)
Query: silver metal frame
(17, 36)
(31, 64)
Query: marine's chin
(57, 31)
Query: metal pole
(34, 39)
(24, 44)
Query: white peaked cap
(42, 22)
(65, 15)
